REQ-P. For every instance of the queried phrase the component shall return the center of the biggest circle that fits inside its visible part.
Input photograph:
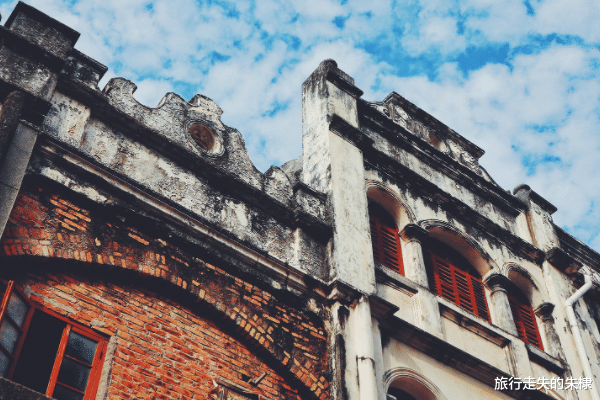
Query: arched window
(524, 317)
(454, 278)
(385, 238)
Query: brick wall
(49, 224)
(164, 350)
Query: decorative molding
(376, 185)
(544, 311)
(413, 379)
(414, 232)
(562, 261)
(428, 224)
(495, 281)
(381, 308)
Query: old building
(143, 256)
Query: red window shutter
(524, 318)
(386, 244)
(480, 301)
(456, 285)
(464, 291)
(444, 282)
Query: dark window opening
(398, 394)
(39, 351)
(47, 352)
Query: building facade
(143, 256)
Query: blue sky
(518, 78)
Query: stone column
(426, 308)
(332, 163)
(500, 307)
(34, 79)
(412, 253)
(539, 218)
(552, 345)
(13, 169)
(502, 316)
(10, 117)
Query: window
(453, 278)
(385, 238)
(45, 351)
(524, 317)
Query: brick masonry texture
(162, 344)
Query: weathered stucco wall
(111, 189)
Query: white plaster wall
(474, 344)
(453, 384)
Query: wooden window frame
(11, 288)
(385, 241)
(524, 317)
(71, 326)
(457, 284)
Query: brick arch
(46, 225)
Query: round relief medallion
(205, 138)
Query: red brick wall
(52, 225)
(164, 350)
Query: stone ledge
(544, 359)
(448, 354)
(14, 391)
(563, 261)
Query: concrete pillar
(365, 353)
(552, 344)
(9, 119)
(539, 218)
(517, 353)
(426, 308)
(354, 345)
(13, 168)
(28, 32)
(334, 166)
(412, 254)
(499, 305)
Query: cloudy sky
(518, 78)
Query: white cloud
(252, 56)
(496, 108)
(576, 17)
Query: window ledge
(495, 334)
(393, 278)
(449, 354)
(544, 359)
(14, 391)
(474, 323)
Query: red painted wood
(524, 318)
(58, 360)
(23, 329)
(10, 289)
(386, 244)
(96, 366)
(458, 285)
